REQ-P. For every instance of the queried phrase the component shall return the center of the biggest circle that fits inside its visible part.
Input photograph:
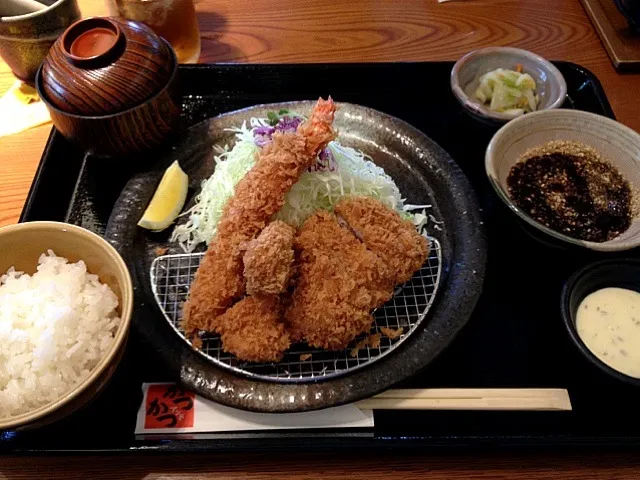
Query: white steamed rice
(55, 326)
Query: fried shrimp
(258, 196)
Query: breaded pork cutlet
(339, 282)
(268, 261)
(386, 234)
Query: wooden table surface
(273, 31)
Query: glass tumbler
(174, 20)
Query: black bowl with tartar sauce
(618, 273)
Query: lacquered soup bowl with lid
(111, 86)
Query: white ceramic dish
(465, 77)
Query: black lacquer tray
(515, 337)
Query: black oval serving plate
(425, 174)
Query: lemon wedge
(167, 201)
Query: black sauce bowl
(620, 273)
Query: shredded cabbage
(231, 166)
(355, 174)
(340, 171)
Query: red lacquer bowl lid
(102, 66)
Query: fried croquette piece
(386, 234)
(253, 330)
(260, 194)
(339, 282)
(268, 260)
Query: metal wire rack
(171, 276)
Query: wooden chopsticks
(543, 399)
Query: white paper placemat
(168, 408)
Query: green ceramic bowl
(26, 34)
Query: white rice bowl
(55, 327)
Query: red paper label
(169, 406)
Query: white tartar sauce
(608, 322)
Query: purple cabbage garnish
(326, 162)
(264, 135)
(288, 124)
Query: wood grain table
(273, 31)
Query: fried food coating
(339, 282)
(258, 196)
(268, 260)
(253, 330)
(386, 234)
